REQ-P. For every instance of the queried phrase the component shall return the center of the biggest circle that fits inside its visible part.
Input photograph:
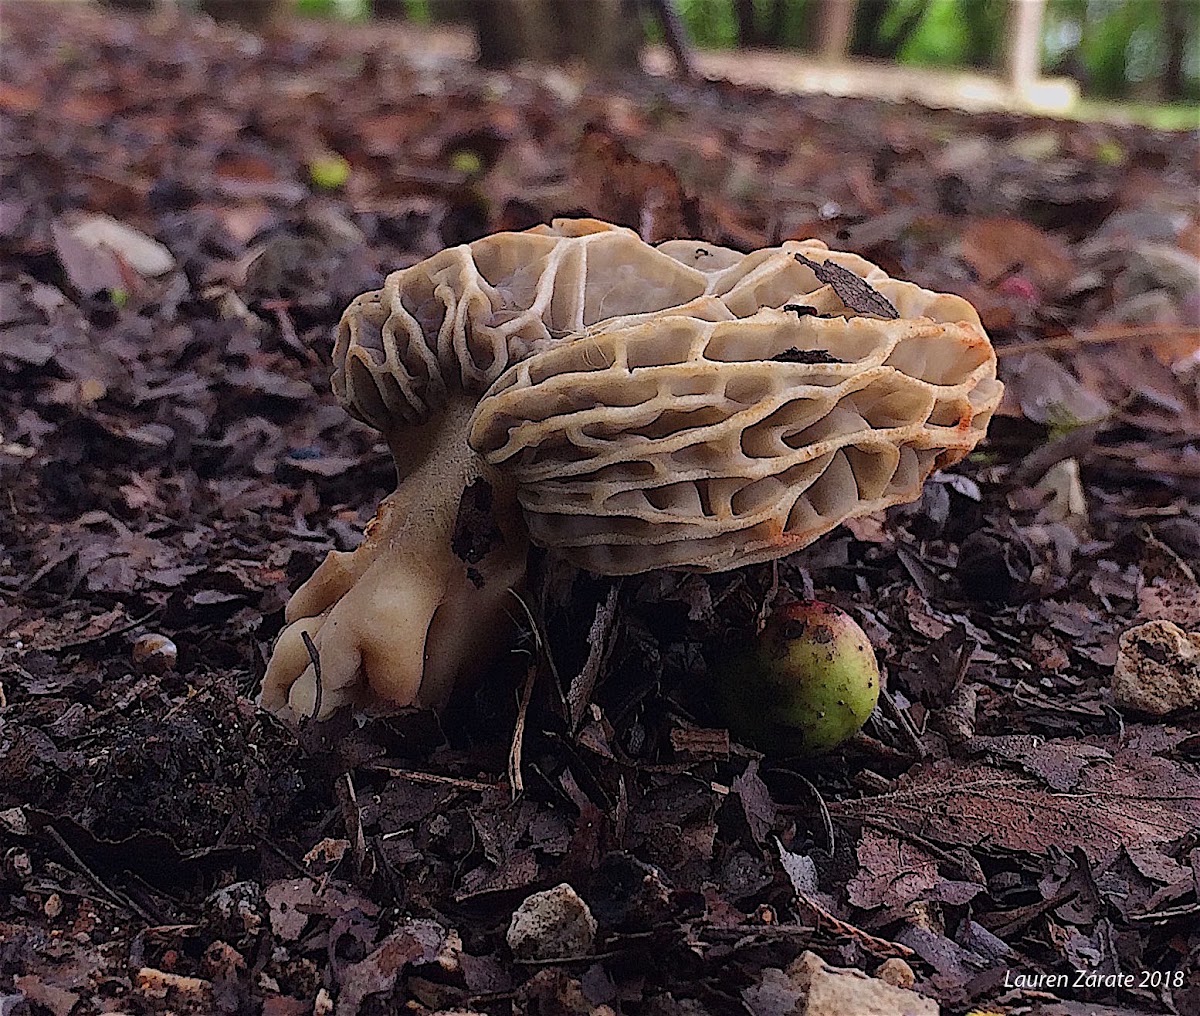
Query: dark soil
(173, 464)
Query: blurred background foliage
(1140, 50)
(1114, 47)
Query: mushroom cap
(461, 317)
(678, 442)
(658, 406)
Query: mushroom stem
(401, 619)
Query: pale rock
(1158, 669)
(838, 991)
(235, 912)
(552, 924)
(896, 973)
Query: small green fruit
(807, 683)
(467, 162)
(329, 172)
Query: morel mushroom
(632, 407)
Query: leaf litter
(173, 463)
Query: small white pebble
(896, 973)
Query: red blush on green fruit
(803, 686)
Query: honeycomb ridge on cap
(460, 318)
(656, 406)
(679, 442)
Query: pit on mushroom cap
(632, 407)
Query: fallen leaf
(854, 292)
(756, 802)
(996, 246)
(144, 255)
(1135, 800)
(58, 1000)
(415, 942)
(89, 270)
(891, 872)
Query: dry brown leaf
(1134, 800)
(893, 872)
(994, 247)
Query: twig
(600, 647)
(768, 601)
(316, 663)
(395, 884)
(920, 841)
(1153, 333)
(826, 818)
(909, 735)
(287, 859)
(110, 633)
(287, 330)
(414, 776)
(515, 780)
(343, 791)
(873, 945)
(1168, 551)
(551, 961)
(741, 931)
(1168, 914)
(114, 896)
(162, 930)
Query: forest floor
(184, 213)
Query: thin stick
(287, 330)
(287, 859)
(875, 946)
(1154, 333)
(316, 662)
(347, 798)
(121, 630)
(414, 776)
(1166, 550)
(826, 818)
(515, 780)
(117, 898)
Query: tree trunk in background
(675, 34)
(777, 23)
(869, 35)
(835, 27)
(394, 9)
(240, 12)
(867, 19)
(507, 31)
(1024, 58)
(450, 12)
(747, 25)
(605, 34)
(985, 37)
(1175, 31)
